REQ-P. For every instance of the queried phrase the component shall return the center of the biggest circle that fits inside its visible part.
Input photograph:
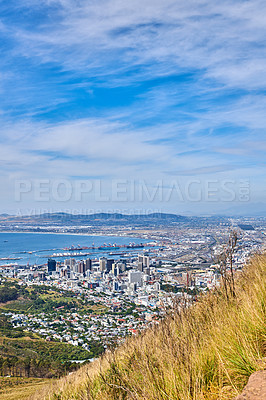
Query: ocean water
(34, 248)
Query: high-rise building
(109, 265)
(81, 267)
(140, 266)
(51, 265)
(140, 258)
(114, 267)
(70, 262)
(146, 261)
(143, 261)
(134, 276)
(103, 262)
(88, 264)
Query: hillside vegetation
(16, 388)
(203, 352)
(26, 354)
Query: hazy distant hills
(114, 216)
(111, 218)
(105, 219)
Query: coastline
(71, 234)
(33, 245)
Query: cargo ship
(105, 246)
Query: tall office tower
(51, 265)
(103, 262)
(109, 265)
(70, 263)
(88, 264)
(81, 267)
(146, 261)
(118, 269)
(134, 276)
(73, 266)
(114, 266)
(140, 258)
(140, 266)
(64, 272)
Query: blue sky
(153, 93)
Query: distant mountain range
(112, 218)
(107, 219)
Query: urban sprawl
(131, 289)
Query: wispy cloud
(204, 170)
(224, 40)
(132, 89)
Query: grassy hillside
(20, 388)
(203, 352)
(24, 353)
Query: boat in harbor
(115, 253)
(135, 246)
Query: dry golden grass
(203, 352)
(20, 388)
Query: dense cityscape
(132, 200)
(92, 297)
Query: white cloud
(180, 126)
(225, 40)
